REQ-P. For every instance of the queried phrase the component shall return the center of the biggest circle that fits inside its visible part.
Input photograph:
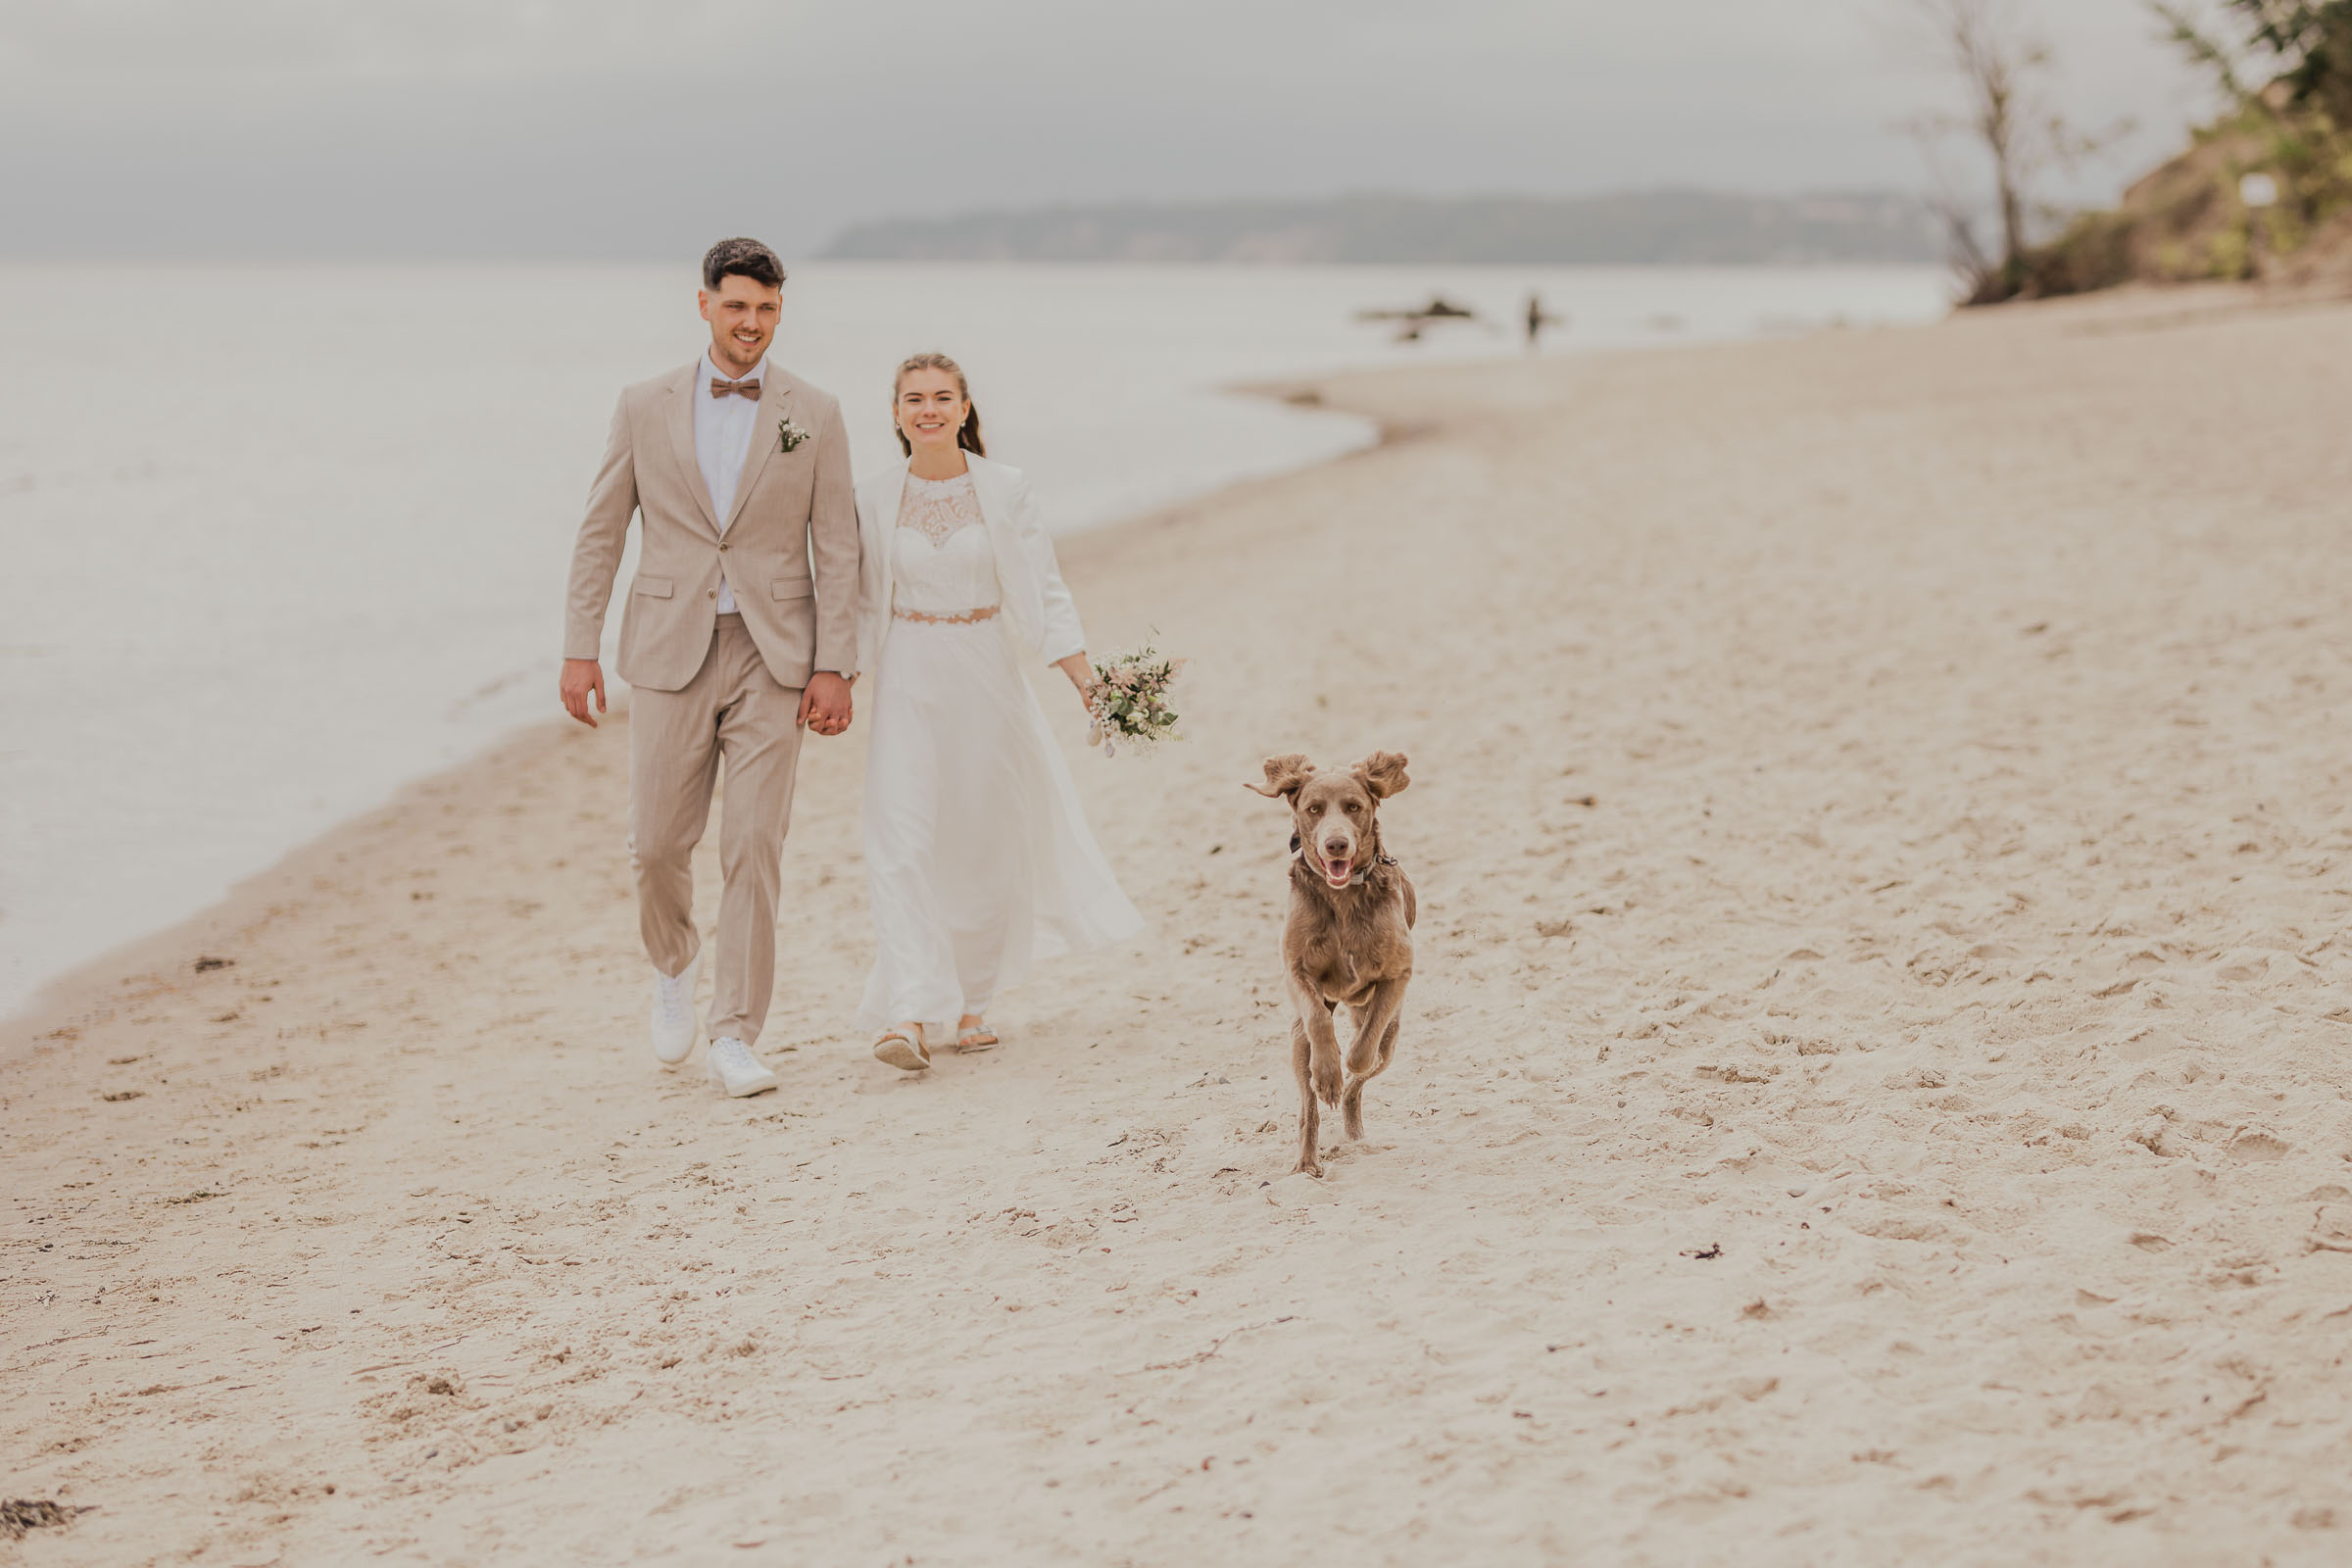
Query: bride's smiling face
(930, 409)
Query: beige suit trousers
(732, 709)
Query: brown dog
(1349, 934)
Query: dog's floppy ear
(1382, 773)
(1283, 775)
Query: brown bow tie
(742, 389)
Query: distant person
(1538, 320)
(978, 859)
(740, 627)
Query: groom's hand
(581, 678)
(826, 704)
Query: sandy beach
(1878, 1086)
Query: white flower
(788, 434)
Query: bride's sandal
(903, 1050)
(975, 1036)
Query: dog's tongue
(1336, 872)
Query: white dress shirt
(722, 440)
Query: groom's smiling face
(743, 315)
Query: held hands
(826, 704)
(582, 677)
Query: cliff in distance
(1634, 228)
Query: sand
(1876, 1087)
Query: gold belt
(960, 618)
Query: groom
(741, 628)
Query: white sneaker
(674, 1027)
(734, 1069)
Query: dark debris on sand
(20, 1514)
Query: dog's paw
(1327, 1082)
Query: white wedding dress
(978, 860)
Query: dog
(1350, 935)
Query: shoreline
(44, 996)
(50, 1004)
(1873, 1077)
(264, 753)
(59, 1001)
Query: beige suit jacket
(790, 550)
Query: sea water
(280, 539)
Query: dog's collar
(1357, 878)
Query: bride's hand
(1082, 676)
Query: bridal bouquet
(1131, 700)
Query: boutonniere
(788, 434)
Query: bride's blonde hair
(967, 436)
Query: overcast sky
(642, 128)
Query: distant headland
(1658, 228)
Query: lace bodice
(941, 562)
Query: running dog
(1349, 936)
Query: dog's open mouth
(1336, 872)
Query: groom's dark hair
(748, 257)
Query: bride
(978, 859)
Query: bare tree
(2003, 70)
